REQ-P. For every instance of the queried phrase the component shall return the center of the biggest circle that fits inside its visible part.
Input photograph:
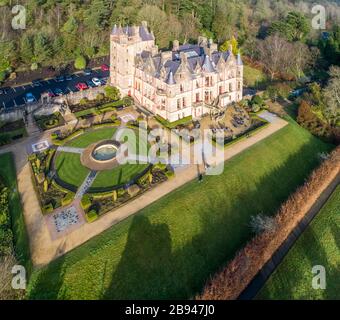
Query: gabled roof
(170, 80)
(207, 65)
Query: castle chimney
(175, 45)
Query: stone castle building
(190, 80)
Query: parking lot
(16, 96)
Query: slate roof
(144, 33)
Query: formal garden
(11, 131)
(171, 247)
(47, 122)
(62, 170)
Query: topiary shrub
(68, 198)
(86, 202)
(48, 208)
(91, 216)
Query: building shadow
(143, 265)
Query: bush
(86, 202)
(80, 63)
(48, 208)
(83, 102)
(3, 75)
(68, 198)
(91, 216)
(128, 101)
(112, 92)
(100, 97)
(170, 174)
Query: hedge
(91, 216)
(68, 198)
(85, 202)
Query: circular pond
(105, 152)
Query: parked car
(104, 67)
(87, 72)
(81, 86)
(30, 97)
(96, 82)
(90, 84)
(36, 83)
(69, 77)
(60, 79)
(58, 91)
(4, 91)
(50, 93)
(103, 81)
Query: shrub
(114, 195)
(83, 102)
(112, 92)
(128, 101)
(86, 202)
(91, 216)
(68, 198)
(80, 63)
(121, 192)
(48, 208)
(45, 185)
(100, 97)
(170, 174)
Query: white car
(96, 82)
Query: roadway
(15, 96)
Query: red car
(104, 67)
(81, 86)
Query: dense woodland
(273, 35)
(59, 31)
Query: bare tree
(274, 53)
(332, 94)
(261, 223)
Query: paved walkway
(71, 149)
(44, 249)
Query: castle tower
(125, 44)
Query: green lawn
(67, 164)
(21, 244)
(92, 136)
(253, 77)
(171, 247)
(318, 245)
(70, 169)
(117, 176)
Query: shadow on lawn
(149, 267)
(140, 268)
(54, 274)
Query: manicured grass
(21, 243)
(171, 247)
(173, 124)
(252, 76)
(67, 164)
(318, 245)
(70, 169)
(117, 176)
(90, 137)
